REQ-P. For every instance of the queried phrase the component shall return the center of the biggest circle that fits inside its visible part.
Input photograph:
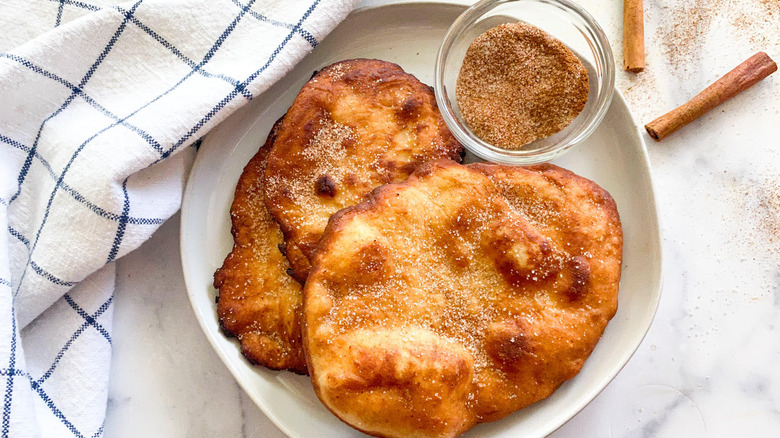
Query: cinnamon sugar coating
(518, 84)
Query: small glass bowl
(562, 19)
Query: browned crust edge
(259, 156)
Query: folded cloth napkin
(102, 104)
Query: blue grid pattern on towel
(12, 372)
(239, 87)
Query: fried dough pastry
(258, 302)
(459, 296)
(355, 125)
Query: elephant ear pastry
(355, 125)
(258, 303)
(459, 296)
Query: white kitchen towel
(102, 104)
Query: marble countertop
(707, 365)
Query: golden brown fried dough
(459, 296)
(355, 125)
(258, 302)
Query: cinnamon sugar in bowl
(562, 20)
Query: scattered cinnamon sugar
(754, 23)
(518, 84)
(682, 43)
(768, 212)
(759, 200)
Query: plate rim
(657, 239)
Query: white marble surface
(708, 364)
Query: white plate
(409, 34)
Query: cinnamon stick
(744, 76)
(633, 36)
